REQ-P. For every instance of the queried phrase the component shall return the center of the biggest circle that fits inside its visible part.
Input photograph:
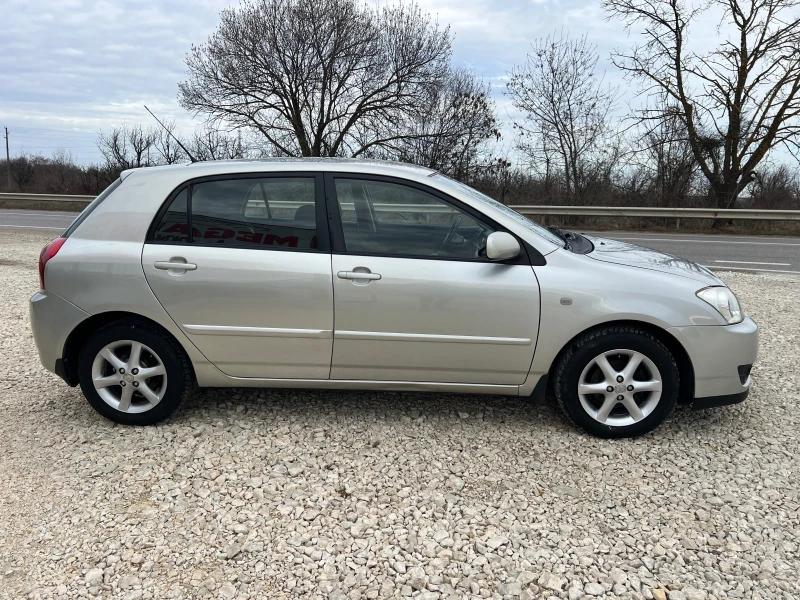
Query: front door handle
(167, 265)
(358, 275)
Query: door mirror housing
(501, 246)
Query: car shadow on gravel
(327, 404)
(324, 406)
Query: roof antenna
(189, 154)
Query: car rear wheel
(617, 381)
(133, 373)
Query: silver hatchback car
(339, 274)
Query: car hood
(622, 253)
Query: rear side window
(88, 210)
(273, 212)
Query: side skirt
(353, 384)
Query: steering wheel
(451, 233)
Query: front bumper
(716, 353)
(52, 320)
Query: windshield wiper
(564, 235)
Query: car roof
(222, 167)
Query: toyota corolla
(337, 274)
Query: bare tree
(22, 171)
(129, 147)
(60, 173)
(168, 149)
(209, 143)
(451, 128)
(664, 154)
(737, 101)
(566, 106)
(309, 74)
(95, 178)
(777, 187)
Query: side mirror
(501, 246)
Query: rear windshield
(88, 210)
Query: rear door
(415, 298)
(242, 264)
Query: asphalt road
(36, 219)
(721, 252)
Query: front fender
(578, 293)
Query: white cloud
(79, 66)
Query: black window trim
(190, 234)
(528, 255)
(320, 205)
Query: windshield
(525, 222)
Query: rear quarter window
(89, 209)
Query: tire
(163, 377)
(583, 379)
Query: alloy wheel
(129, 376)
(620, 387)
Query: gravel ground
(286, 494)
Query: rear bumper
(52, 320)
(716, 353)
(714, 401)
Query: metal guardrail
(533, 210)
(46, 198)
(680, 213)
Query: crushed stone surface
(317, 494)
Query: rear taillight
(47, 253)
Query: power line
(44, 132)
(60, 146)
(60, 130)
(56, 136)
(71, 140)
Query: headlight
(724, 300)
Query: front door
(415, 298)
(241, 265)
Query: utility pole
(8, 162)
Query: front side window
(525, 222)
(398, 220)
(277, 212)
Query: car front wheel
(617, 381)
(133, 373)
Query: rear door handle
(358, 275)
(167, 265)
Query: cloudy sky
(70, 68)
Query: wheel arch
(78, 336)
(685, 366)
